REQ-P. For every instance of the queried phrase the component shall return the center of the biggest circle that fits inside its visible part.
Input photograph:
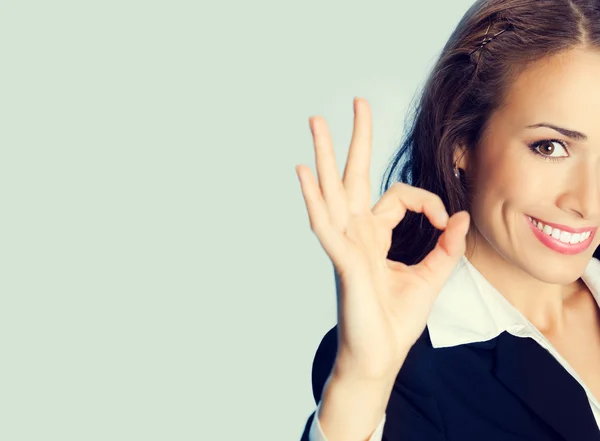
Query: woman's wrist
(352, 407)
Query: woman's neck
(547, 306)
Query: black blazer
(505, 389)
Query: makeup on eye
(534, 146)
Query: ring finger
(330, 182)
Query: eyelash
(535, 145)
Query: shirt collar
(470, 310)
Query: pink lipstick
(560, 246)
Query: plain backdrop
(158, 276)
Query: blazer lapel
(538, 379)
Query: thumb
(438, 265)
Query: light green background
(158, 276)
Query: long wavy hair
(463, 90)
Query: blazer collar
(470, 311)
(540, 381)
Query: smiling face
(521, 171)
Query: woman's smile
(565, 240)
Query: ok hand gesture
(383, 305)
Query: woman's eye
(548, 147)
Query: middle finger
(356, 174)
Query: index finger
(401, 196)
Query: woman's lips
(557, 245)
(566, 228)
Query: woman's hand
(383, 305)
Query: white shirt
(469, 310)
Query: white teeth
(563, 236)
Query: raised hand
(383, 305)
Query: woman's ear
(461, 157)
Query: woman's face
(521, 171)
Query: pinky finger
(318, 214)
(315, 204)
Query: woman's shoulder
(418, 363)
(323, 362)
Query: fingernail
(442, 218)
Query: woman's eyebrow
(573, 134)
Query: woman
(483, 324)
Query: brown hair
(463, 90)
